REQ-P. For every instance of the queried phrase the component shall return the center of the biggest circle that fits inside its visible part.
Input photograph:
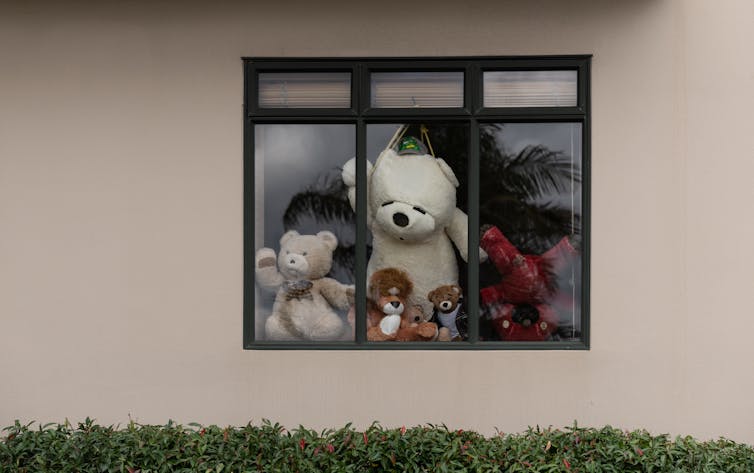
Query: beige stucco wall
(121, 218)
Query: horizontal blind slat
(530, 88)
(304, 90)
(417, 89)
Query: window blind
(305, 90)
(530, 88)
(417, 89)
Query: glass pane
(417, 89)
(530, 212)
(304, 280)
(416, 273)
(530, 88)
(305, 90)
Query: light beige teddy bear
(306, 299)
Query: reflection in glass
(303, 278)
(530, 212)
(417, 89)
(417, 194)
(305, 90)
(530, 88)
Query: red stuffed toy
(521, 304)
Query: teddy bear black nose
(293, 261)
(400, 219)
(395, 304)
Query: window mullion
(249, 319)
(472, 296)
(586, 231)
(361, 231)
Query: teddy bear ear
(449, 174)
(329, 238)
(387, 153)
(287, 236)
(456, 289)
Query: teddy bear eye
(303, 254)
(420, 210)
(287, 252)
(385, 204)
(416, 319)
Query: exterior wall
(121, 218)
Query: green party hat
(411, 145)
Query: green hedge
(271, 448)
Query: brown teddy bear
(389, 317)
(386, 303)
(415, 329)
(448, 302)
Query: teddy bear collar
(298, 289)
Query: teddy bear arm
(267, 274)
(375, 334)
(352, 197)
(348, 174)
(269, 278)
(501, 251)
(458, 232)
(491, 295)
(407, 334)
(443, 335)
(352, 201)
(425, 331)
(336, 294)
(428, 330)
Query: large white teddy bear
(412, 214)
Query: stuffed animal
(387, 292)
(388, 308)
(413, 218)
(520, 305)
(415, 329)
(449, 312)
(305, 300)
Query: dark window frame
(360, 114)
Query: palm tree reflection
(527, 194)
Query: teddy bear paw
(484, 229)
(266, 258)
(349, 173)
(351, 294)
(443, 335)
(428, 330)
(390, 324)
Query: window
(416, 203)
